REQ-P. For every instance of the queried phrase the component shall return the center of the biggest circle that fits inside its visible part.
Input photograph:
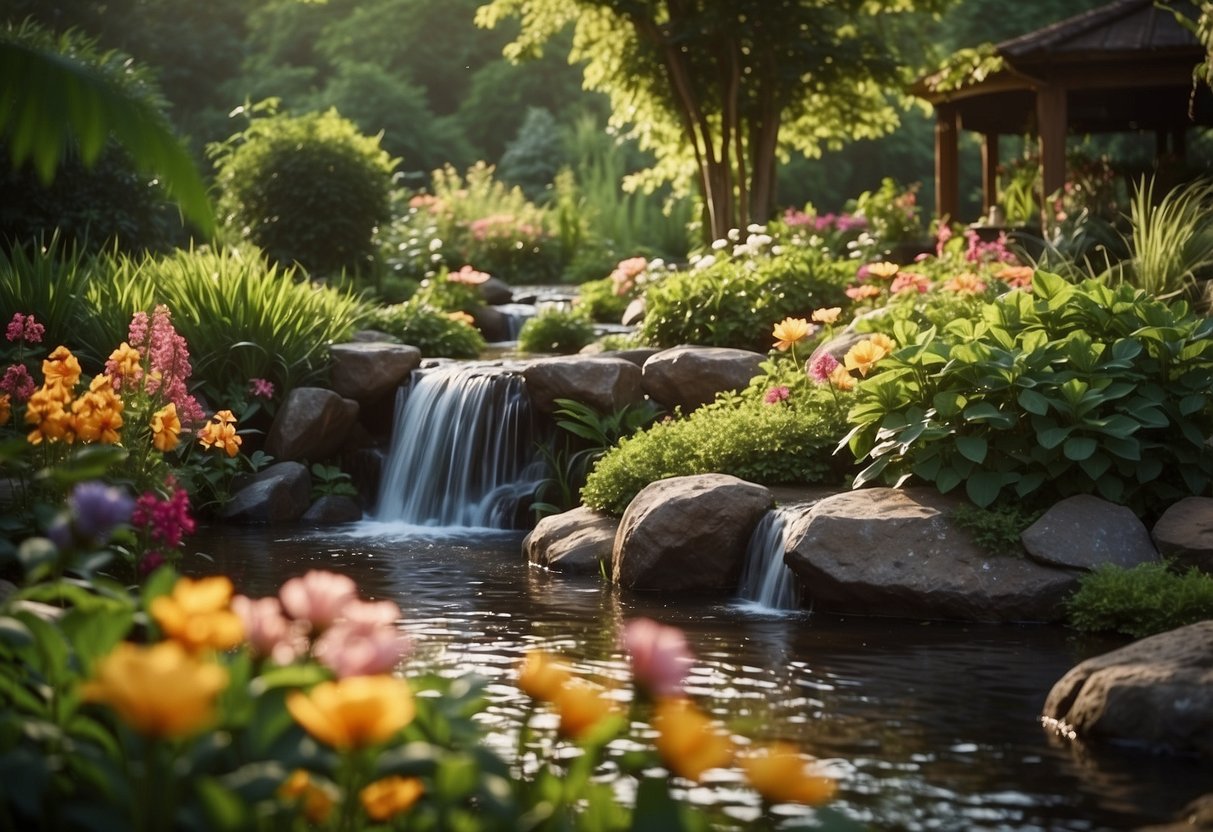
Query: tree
(718, 89)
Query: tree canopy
(718, 89)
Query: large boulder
(688, 377)
(280, 493)
(1184, 533)
(575, 542)
(602, 382)
(312, 424)
(895, 552)
(1156, 692)
(688, 533)
(366, 371)
(1084, 531)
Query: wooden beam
(1051, 121)
(989, 171)
(947, 161)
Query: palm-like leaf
(49, 101)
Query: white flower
(734, 234)
(717, 245)
(656, 263)
(435, 244)
(755, 228)
(703, 262)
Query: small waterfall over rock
(463, 450)
(766, 581)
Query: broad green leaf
(988, 413)
(1078, 448)
(1096, 465)
(1033, 402)
(984, 487)
(973, 448)
(1052, 437)
(947, 479)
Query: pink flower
(821, 367)
(261, 388)
(269, 632)
(18, 383)
(166, 521)
(318, 597)
(24, 328)
(777, 394)
(468, 276)
(354, 647)
(910, 282)
(150, 562)
(660, 657)
(169, 360)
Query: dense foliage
(1147, 599)
(556, 331)
(435, 332)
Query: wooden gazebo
(1126, 66)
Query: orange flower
(790, 331)
(47, 411)
(220, 433)
(462, 317)
(541, 678)
(581, 706)
(782, 775)
(840, 379)
(391, 796)
(966, 283)
(858, 293)
(125, 363)
(826, 316)
(198, 614)
(317, 801)
(884, 342)
(354, 712)
(97, 415)
(161, 690)
(166, 428)
(61, 369)
(864, 355)
(687, 740)
(1017, 277)
(6, 408)
(884, 270)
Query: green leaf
(1096, 465)
(973, 448)
(1053, 436)
(1078, 448)
(984, 487)
(990, 414)
(947, 479)
(1033, 402)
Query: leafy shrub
(734, 301)
(1147, 599)
(434, 332)
(743, 436)
(1067, 389)
(307, 189)
(598, 301)
(533, 158)
(996, 529)
(555, 330)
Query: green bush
(555, 330)
(1067, 389)
(734, 302)
(1147, 599)
(306, 189)
(598, 301)
(790, 441)
(433, 332)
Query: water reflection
(928, 725)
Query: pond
(927, 725)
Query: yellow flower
(541, 678)
(354, 712)
(161, 691)
(789, 331)
(61, 369)
(127, 363)
(884, 342)
(781, 774)
(6, 408)
(47, 411)
(391, 796)
(581, 706)
(316, 800)
(220, 433)
(97, 415)
(840, 379)
(884, 270)
(687, 740)
(462, 317)
(198, 614)
(864, 355)
(166, 428)
(827, 316)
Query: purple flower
(777, 394)
(18, 383)
(821, 367)
(24, 328)
(261, 388)
(97, 509)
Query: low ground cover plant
(559, 331)
(1147, 599)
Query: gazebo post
(947, 161)
(1051, 128)
(989, 171)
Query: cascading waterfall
(766, 580)
(462, 452)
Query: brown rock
(331, 509)
(1157, 691)
(689, 376)
(365, 371)
(1084, 531)
(688, 533)
(312, 424)
(280, 493)
(885, 551)
(602, 382)
(1185, 533)
(575, 542)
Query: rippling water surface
(927, 725)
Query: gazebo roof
(1124, 66)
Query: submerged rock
(1083, 532)
(689, 377)
(1156, 692)
(688, 533)
(576, 542)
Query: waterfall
(462, 451)
(766, 580)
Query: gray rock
(1084, 531)
(492, 323)
(885, 551)
(495, 292)
(1156, 692)
(312, 424)
(688, 533)
(601, 382)
(366, 371)
(633, 313)
(280, 493)
(1185, 533)
(689, 376)
(576, 542)
(331, 509)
